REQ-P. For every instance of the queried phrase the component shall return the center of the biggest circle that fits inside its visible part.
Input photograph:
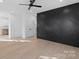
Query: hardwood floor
(37, 49)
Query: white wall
(4, 19)
(16, 25)
(3, 22)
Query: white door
(30, 26)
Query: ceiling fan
(31, 4)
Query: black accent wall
(60, 25)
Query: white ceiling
(51, 4)
(13, 5)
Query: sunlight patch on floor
(46, 57)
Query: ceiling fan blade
(37, 6)
(23, 4)
(34, 6)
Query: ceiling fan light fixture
(61, 0)
(1, 1)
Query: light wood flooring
(37, 49)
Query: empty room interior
(39, 29)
